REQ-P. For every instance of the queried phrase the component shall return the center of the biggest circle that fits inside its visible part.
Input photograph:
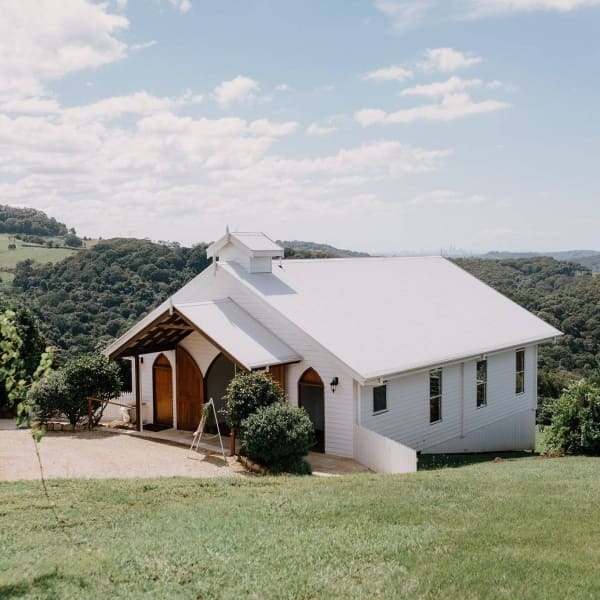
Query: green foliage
(279, 436)
(67, 389)
(551, 385)
(566, 295)
(246, 393)
(575, 424)
(93, 296)
(73, 241)
(23, 360)
(48, 396)
(298, 249)
(29, 221)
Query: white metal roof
(254, 243)
(257, 242)
(382, 316)
(239, 334)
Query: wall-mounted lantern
(334, 384)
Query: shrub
(246, 393)
(278, 437)
(575, 426)
(67, 389)
(48, 396)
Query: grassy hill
(520, 528)
(23, 251)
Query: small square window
(380, 398)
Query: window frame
(436, 373)
(381, 410)
(519, 374)
(481, 383)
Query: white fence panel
(382, 454)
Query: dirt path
(100, 455)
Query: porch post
(138, 395)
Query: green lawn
(521, 528)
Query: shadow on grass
(46, 586)
(429, 462)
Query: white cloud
(447, 60)
(144, 45)
(483, 8)
(140, 103)
(42, 40)
(240, 89)
(183, 6)
(393, 73)
(442, 88)
(445, 197)
(404, 13)
(316, 129)
(180, 169)
(452, 106)
(283, 87)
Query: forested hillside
(29, 221)
(564, 294)
(300, 249)
(89, 298)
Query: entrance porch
(324, 465)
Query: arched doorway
(218, 376)
(190, 391)
(311, 396)
(162, 390)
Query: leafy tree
(246, 393)
(73, 241)
(66, 390)
(19, 366)
(575, 424)
(29, 221)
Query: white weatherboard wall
(339, 405)
(508, 419)
(201, 350)
(381, 454)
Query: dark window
(379, 398)
(520, 372)
(435, 395)
(481, 383)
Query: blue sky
(383, 125)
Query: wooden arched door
(190, 391)
(311, 397)
(162, 386)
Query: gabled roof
(240, 335)
(222, 322)
(383, 316)
(253, 243)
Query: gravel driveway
(100, 454)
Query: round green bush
(575, 426)
(278, 437)
(49, 395)
(246, 393)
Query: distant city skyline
(377, 125)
